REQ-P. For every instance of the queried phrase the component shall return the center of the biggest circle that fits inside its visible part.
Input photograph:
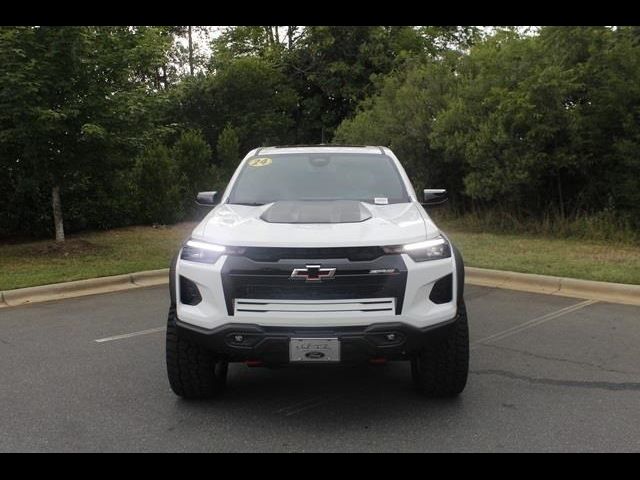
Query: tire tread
(191, 368)
(442, 370)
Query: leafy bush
(249, 93)
(192, 158)
(228, 152)
(544, 126)
(157, 186)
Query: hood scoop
(324, 211)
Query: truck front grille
(252, 307)
(274, 254)
(245, 279)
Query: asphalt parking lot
(547, 373)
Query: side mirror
(207, 199)
(434, 196)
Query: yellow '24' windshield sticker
(259, 162)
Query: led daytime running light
(424, 244)
(206, 246)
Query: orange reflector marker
(378, 361)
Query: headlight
(433, 249)
(204, 252)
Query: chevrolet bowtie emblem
(312, 273)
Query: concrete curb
(150, 277)
(78, 288)
(568, 287)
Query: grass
(132, 249)
(90, 254)
(562, 257)
(606, 226)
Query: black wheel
(193, 371)
(441, 370)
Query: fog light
(243, 340)
(442, 291)
(189, 293)
(386, 339)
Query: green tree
(194, 171)
(228, 148)
(228, 154)
(333, 68)
(533, 125)
(487, 125)
(156, 190)
(249, 93)
(268, 42)
(75, 107)
(541, 121)
(402, 116)
(187, 55)
(192, 156)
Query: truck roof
(322, 148)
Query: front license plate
(314, 350)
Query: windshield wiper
(249, 204)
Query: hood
(336, 211)
(286, 224)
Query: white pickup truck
(317, 255)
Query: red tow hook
(378, 361)
(253, 363)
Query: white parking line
(307, 404)
(496, 336)
(129, 335)
(532, 323)
(298, 404)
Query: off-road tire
(441, 370)
(193, 371)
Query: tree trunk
(561, 200)
(57, 213)
(290, 37)
(190, 52)
(157, 82)
(165, 79)
(269, 32)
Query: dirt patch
(148, 229)
(72, 246)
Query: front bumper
(237, 342)
(410, 288)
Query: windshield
(369, 178)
